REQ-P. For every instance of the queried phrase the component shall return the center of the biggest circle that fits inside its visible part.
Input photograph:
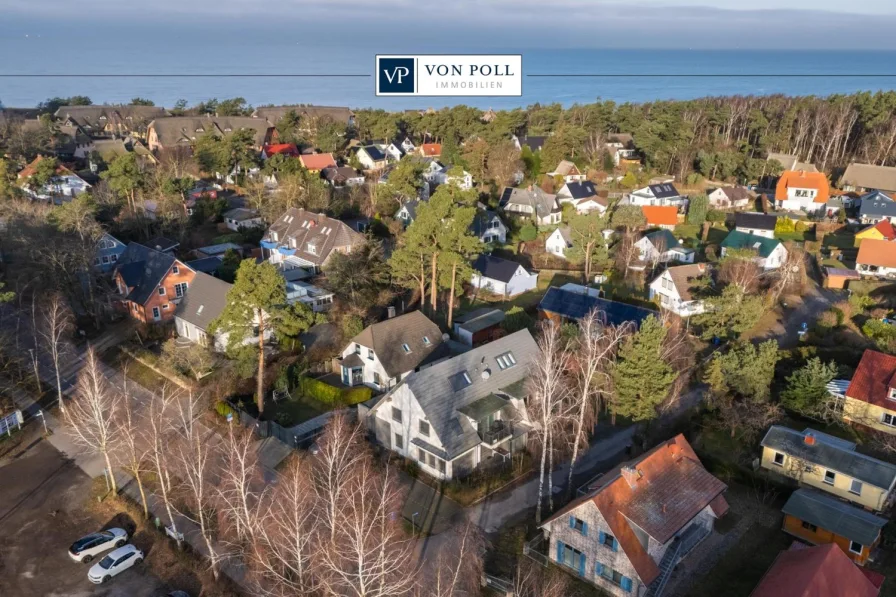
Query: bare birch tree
(134, 449)
(158, 411)
(57, 323)
(458, 567)
(241, 488)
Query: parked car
(87, 548)
(115, 563)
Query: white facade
(557, 244)
(371, 373)
(67, 185)
(368, 162)
(197, 335)
(648, 252)
(237, 225)
(393, 152)
(799, 199)
(645, 196)
(756, 232)
(775, 259)
(495, 231)
(669, 297)
(718, 199)
(522, 281)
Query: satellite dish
(486, 373)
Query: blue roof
(877, 204)
(575, 305)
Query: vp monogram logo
(395, 75)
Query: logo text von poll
(450, 75)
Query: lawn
(286, 413)
(840, 240)
(137, 371)
(795, 236)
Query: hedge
(331, 395)
(224, 409)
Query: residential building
(830, 464)
(533, 143)
(151, 283)
(288, 149)
(488, 227)
(301, 239)
(870, 399)
(798, 190)
(64, 186)
(206, 265)
(876, 258)
(820, 571)
(791, 162)
(583, 195)
(756, 224)
(393, 151)
(479, 326)
(819, 519)
(316, 162)
(385, 353)
(661, 246)
(657, 194)
(568, 171)
(108, 251)
(407, 213)
(532, 202)
(461, 413)
(876, 207)
(184, 131)
(438, 174)
(488, 116)
(502, 277)
(730, 198)
(622, 147)
(163, 244)
(572, 302)
(109, 149)
(638, 521)
(867, 177)
(241, 218)
(309, 116)
(676, 288)
(218, 250)
(318, 299)
(102, 120)
(883, 230)
(656, 216)
(559, 241)
(770, 252)
(343, 176)
(407, 146)
(372, 157)
(431, 150)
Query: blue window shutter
(560, 552)
(572, 522)
(626, 584)
(598, 569)
(615, 544)
(581, 564)
(585, 528)
(601, 536)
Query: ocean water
(113, 70)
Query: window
(376, 378)
(369, 354)
(571, 557)
(406, 348)
(441, 465)
(180, 289)
(156, 314)
(165, 307)
(426, 341)
(889, 420)
(505, 360)
(161, 291)
(175, 270)
(114, 258)
(396, 414)
(357, 349)
(102, 244)
(855, 487)
(779, 459)
(579, 525)
(855, 547)
(399, 442)
(809, 526)
(423, 427)
(892, 394)
(607, 540)
(829, 477)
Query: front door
(357, 376)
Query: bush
(224, 409)
(528, 233)
(883, 334)
(716, 216)
(352, 325)
(860, 302)
(356, 395)
(332, 396)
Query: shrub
(883, 334)
(352, 325)
(860, 302)
(784, 225)
(224, 409)
(320, 391)
(716, 216)
(356, 395)
(528, 233)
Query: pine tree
(807, 386)
(642, 378)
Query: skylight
(505, 360)
(461, 380)
(406, 348)
(426, 340)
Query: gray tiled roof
(877, 207)
(833, 515)
(274, 113)
(833, 454)
(324, 232)
(479, 319)
(387, 337)
(440, 402)
(175, 130)
(543, 203)
(205, 301)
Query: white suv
(87, 548)
(115, 563)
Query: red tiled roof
(877, 251)
(29, 170)
(660, 215)
(289, 149)
(318, 161)
(431, 149)
(872, 380)
(886, 229)
(801, 179)
(821, 571)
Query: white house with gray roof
(532, 202)
(460, 413)
(301, 239)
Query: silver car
(114, 563)
(87, 548)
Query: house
(756, 224)
(162, 244)
(665, 217)
(798, 190)
(661, 246)
(838, 277)
(184, 131)
(218, 250)
(533, 143)
(206, 265)
(730, 198)
(407, 146)
(288, 149)
(791, 162)
(559, 241)
(342, 176)
(151, 283)
(315, 162)
(867, 177)
(478, 326)
(568, 171)
(488, 116)
(819, 519)
(438, 174)
(393, 151)
(829, 464)
(583, 195)
(488, 227)
(102, 120)
(770, 252)
(876, 258)
(431, 150)
(657, 194)
(108, 251)
(371, 157)
(870, 399)
(301, 239)
(385, 353)
(533, 202)
(677, 286)
(241, 218)
(316, 298)
(572, 302)
(621, 147)
(876, 207)
(883, 230)
(407, 213)
(64, 185)
(307, 115)
(461, 413)
(638, 521)
(820, 571)
(109, 149)
(501, 276)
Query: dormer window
(312, 248)
(461, 380)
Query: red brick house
(151, 283)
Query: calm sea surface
(229, 59)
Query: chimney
(390, 312)
(701, 267)
(631, 475)
(809, 439)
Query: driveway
(784, 323)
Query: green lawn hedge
(331, 395)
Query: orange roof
(289, 149)
(821, 571)
(31, 168)
(877, 251)
(873, 379)
(886, 229)
(431, 149)
(660, 215)
(318, 161)
(800, 179)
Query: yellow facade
(871, 232)
(869, 415)
(812, 475)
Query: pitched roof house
(867, 177)
(533, 202)
(108, 251)
(657, 194)
(184, 131)
(462, 412)
(384, 353)
(821, 571)
(301, 239)
(64, 185)
(638, 521)
(287, 149)
(830, 464)
(431, 150)
(883, 230)
(151, 283)
(801, 190)
(870, 399)
(568, 171)
(372, 157)
(315, 162)
(770, 252)
(660, 216)
(583, 195)
(755, 223)
(342, 176)
(572, 302)
(488, 226)
(877, 206)
(730, 197)
(791, 162)
(98, 120)
(338, 114)
(534, 143)
(877, 258)
(661, 246)
(675, 289)
(559, 241)
(502, 276)
(202, 305)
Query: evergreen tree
(730, 314)
(807, 386)
(642, 378)
(697, 208)
(749, 369)
(125, 177)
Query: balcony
(495, 433)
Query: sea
(264, 69)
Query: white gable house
(675, 287)
(558, 242)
